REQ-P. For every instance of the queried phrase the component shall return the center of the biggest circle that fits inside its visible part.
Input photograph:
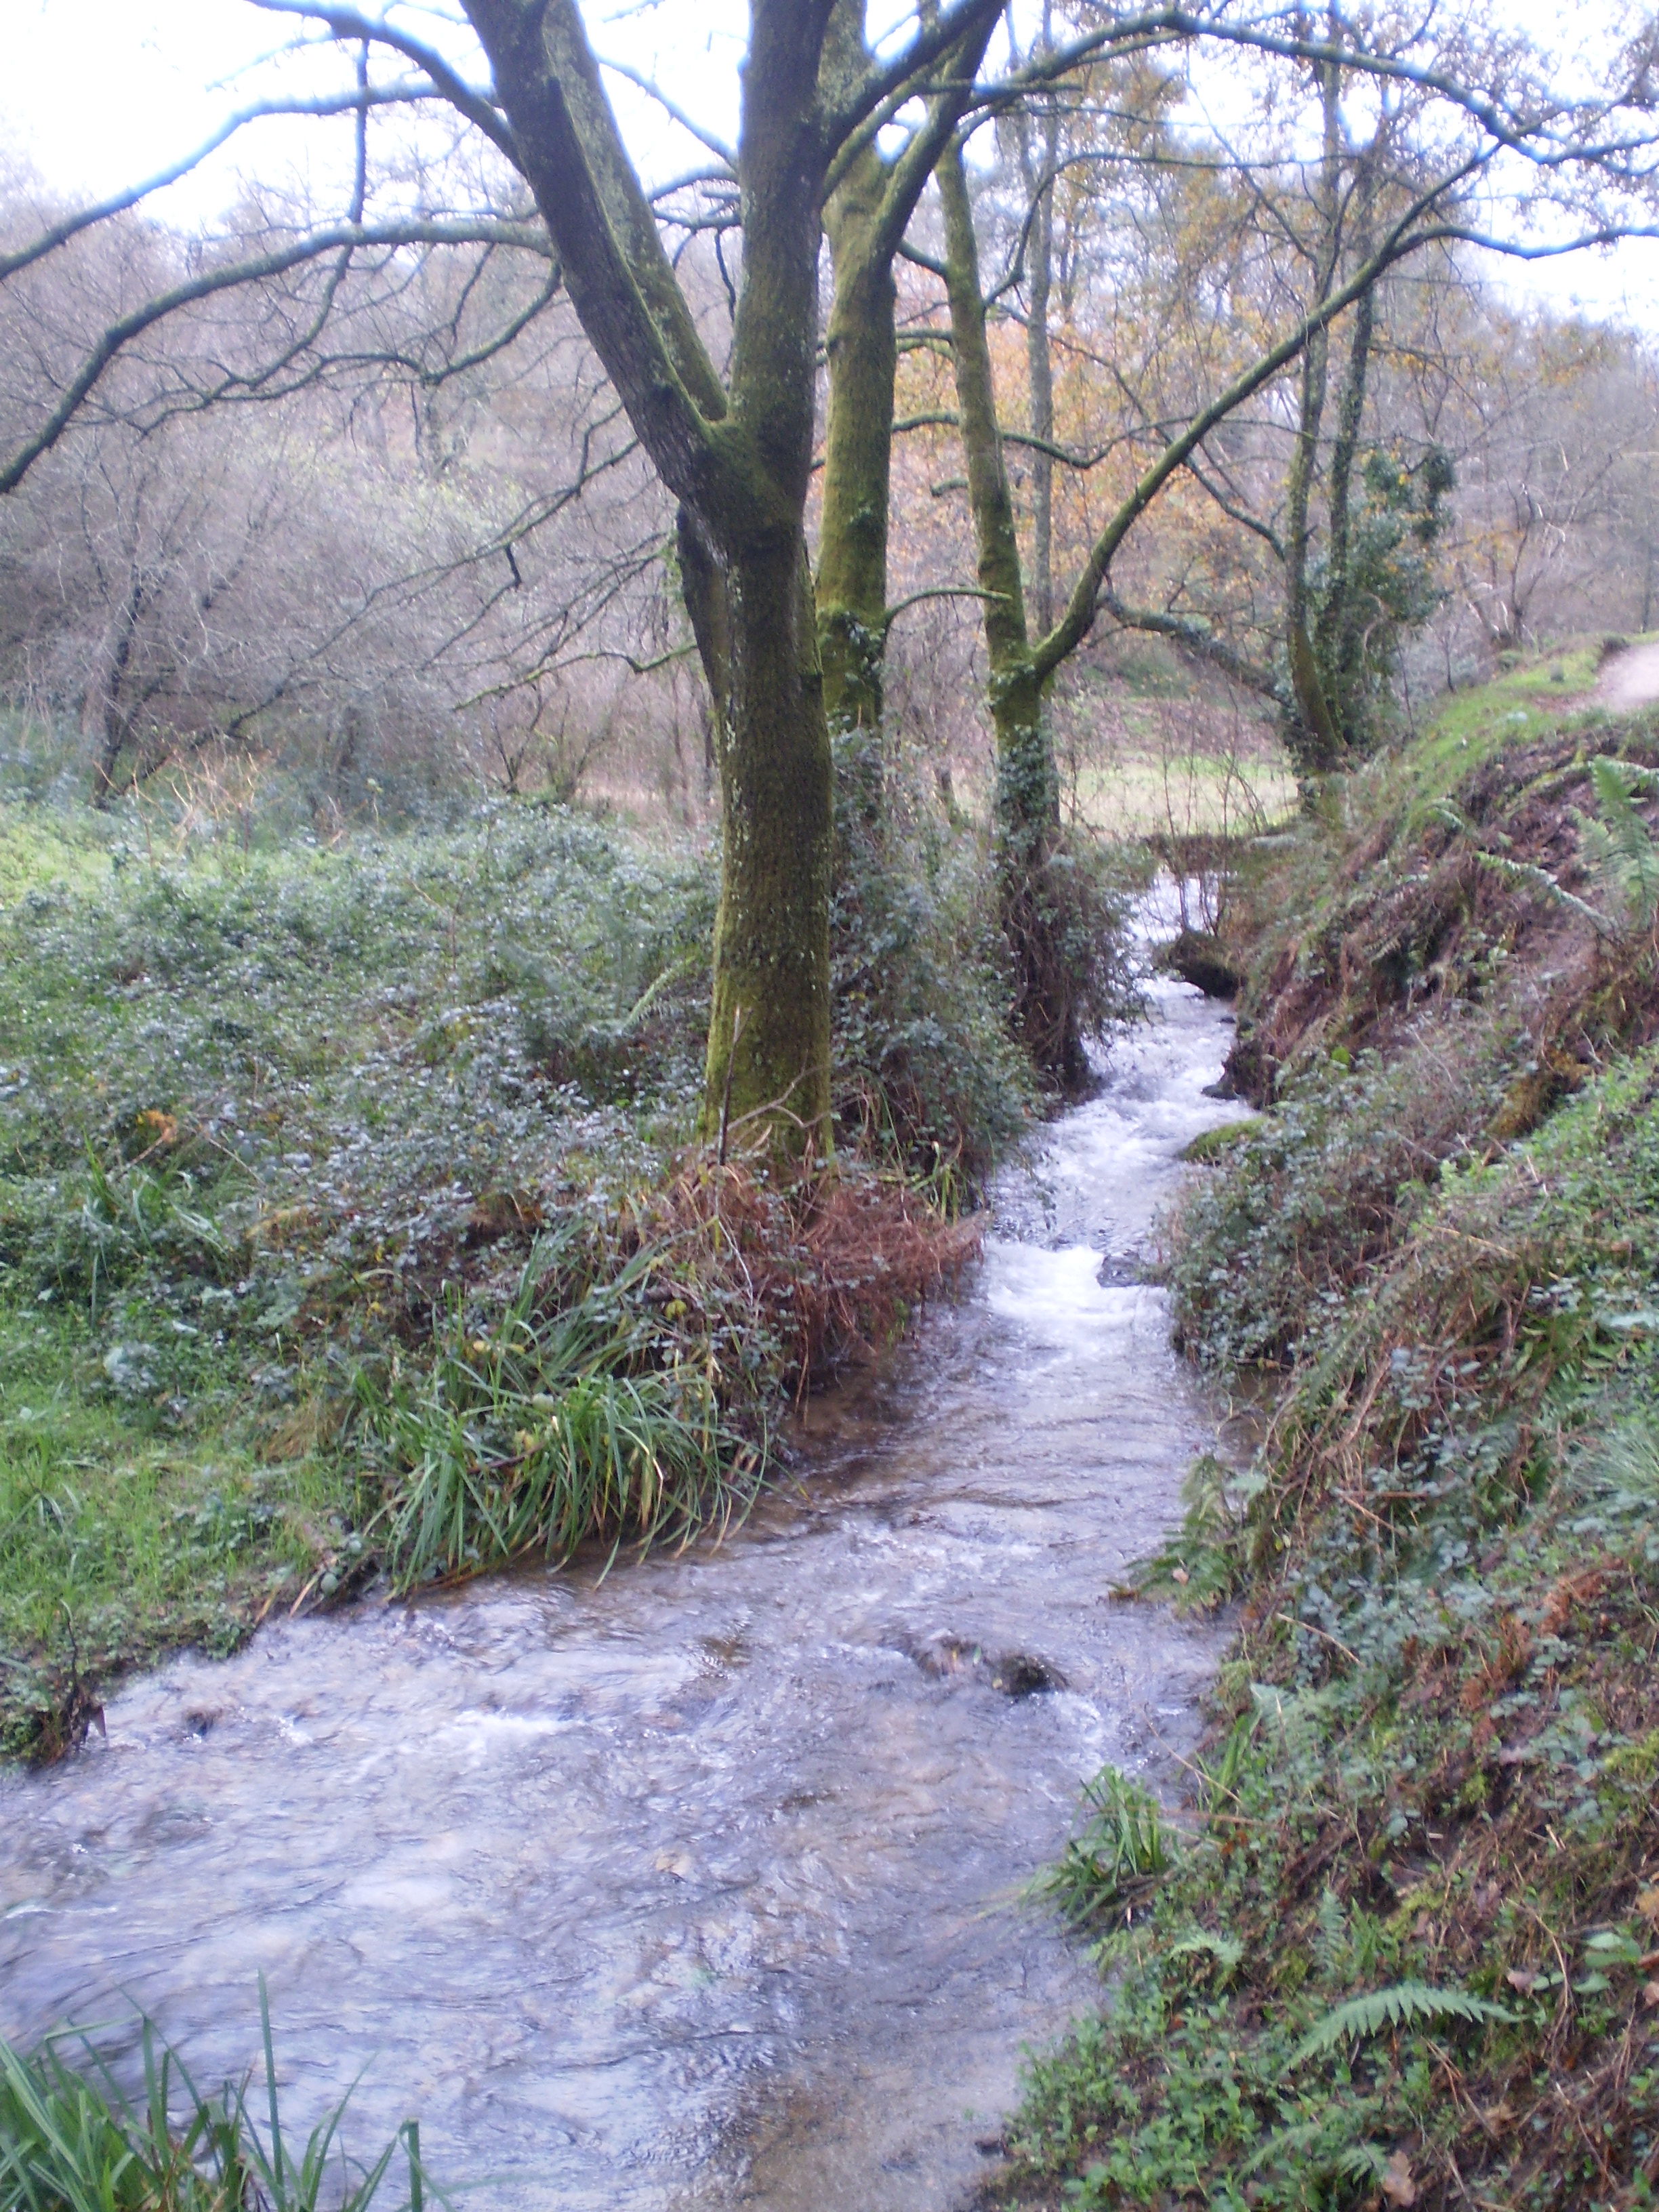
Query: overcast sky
(102, 92)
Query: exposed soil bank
(697, 1885)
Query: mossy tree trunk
(1313, 735)
(737, 455)
(1028, 812)
(1038, 139)
(865, 218)
(768, 1038)
(1027, 822)
(862, 356)
(1338, 646)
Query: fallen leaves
(1398, 2184)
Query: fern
(1355, 2161)
(1619, 847)
(1225, 1953)
(1401, 2005)
(1523, 875)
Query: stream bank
(699, 1884)
(1408, 1954)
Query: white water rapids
(698, 1886)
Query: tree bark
(768, 1036)
(1337, 629)
(1311, 735)
(738, 458)
(111, 719)
(862, 354)
(865, 219)
(1027, 816)
(1037, 171)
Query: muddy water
(695, 1886)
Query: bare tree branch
(716, 146)
(226, 276)
(59, 234)
(350, 25)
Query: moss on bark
(767, 1070)
(1028, 784)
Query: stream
(696, 1886)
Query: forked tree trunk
(865, 218)
(737, 455)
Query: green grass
(1536, 697)
(1195, 796)
(564, 1423)
(1121, 1847)
(280, 1124)
(256, 1110)
(42, 852)
(129, 1528)
(73, 2140)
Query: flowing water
(696, 1886)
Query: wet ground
(698, 1886)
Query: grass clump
(71, 2140)
(1408, 1952)
(571, 1419)
(1122, 1848)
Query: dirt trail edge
(1630, 680)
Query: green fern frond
(1633, 777)
(1365, 2161)
(1284, 2143)
(1524, 875)
(1401, 2005)
(1621, 847)
(1226, 1951)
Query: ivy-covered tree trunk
(1337, 642)
(1027, 818)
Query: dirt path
(1631, 678)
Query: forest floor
(1400, 1946)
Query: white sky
(100, 92)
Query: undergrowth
(1406, 1951)
(288, 1131)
